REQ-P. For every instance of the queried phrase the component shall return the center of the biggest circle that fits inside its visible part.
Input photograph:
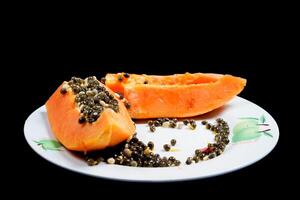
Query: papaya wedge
(178, 95)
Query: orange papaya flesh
(109, 129)
(178, 95)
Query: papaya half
(178, 95)
(85, 115)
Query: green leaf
(268, 134)
(245, 130)
(49, 144)
(246, 134)
(262, 119)
(244, 125)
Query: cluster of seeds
(170, 123)
(191, 123)
(221, 131)
(135, 153)
(167, 147)
(164, 122)
(121, 97)
(91, 97)
(121, 76)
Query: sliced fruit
(85, 115)
(179, 95)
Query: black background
(43, 60)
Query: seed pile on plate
(169, 123)
(190, 123)
(135, 153)
(91, 97)
(167, 147)
(221, 131)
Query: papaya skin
(179, 95)
(110, 129)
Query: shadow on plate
(210, 115)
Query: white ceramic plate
(249, 143)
